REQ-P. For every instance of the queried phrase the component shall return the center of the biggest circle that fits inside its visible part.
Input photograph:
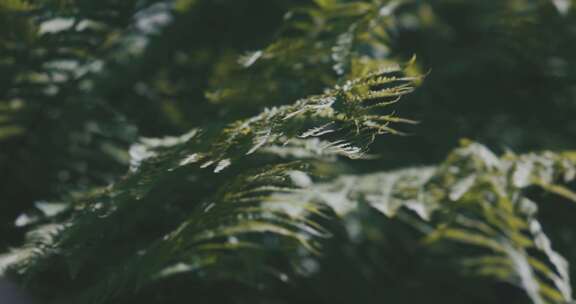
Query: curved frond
(474, 199)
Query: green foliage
(341, 117)
(51, 69)
(315, 46)
(477, 199)
(271, 192)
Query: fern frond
(474, 199)
(332, 41)
(237, 211)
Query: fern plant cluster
(168, 151)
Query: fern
(255, 201)
(476, 199)
(327, 41)
(482, 205)
(341, 110)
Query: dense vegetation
(276, 151)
